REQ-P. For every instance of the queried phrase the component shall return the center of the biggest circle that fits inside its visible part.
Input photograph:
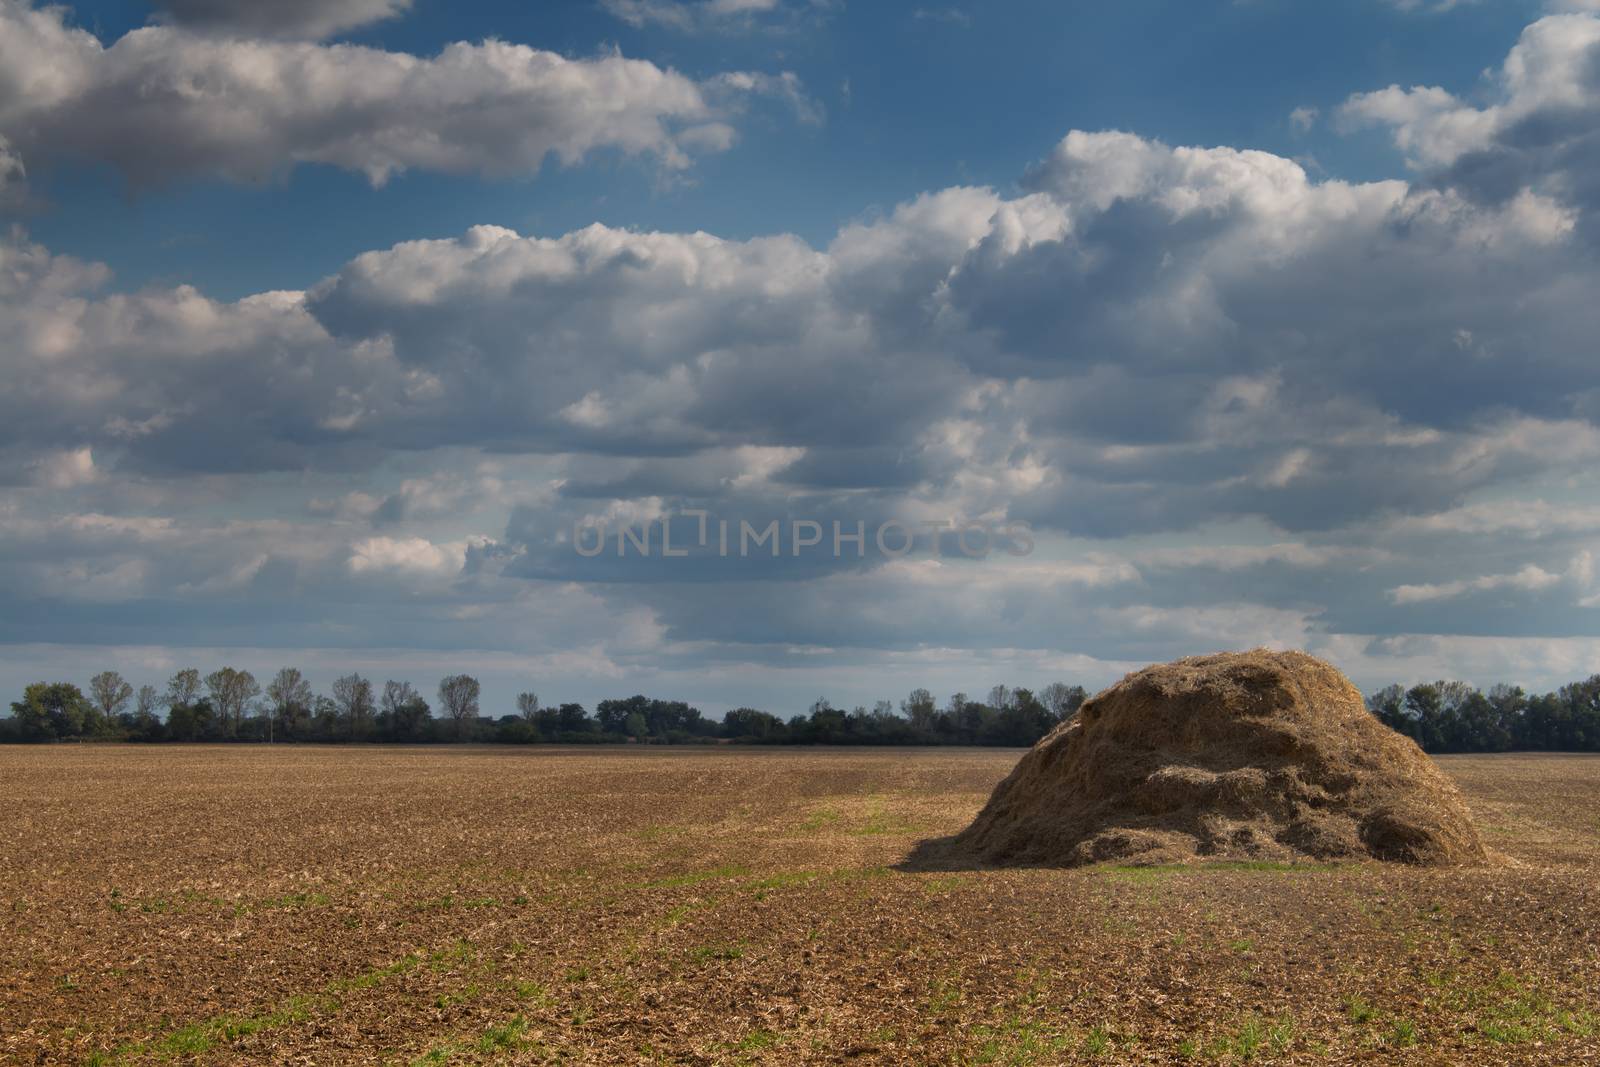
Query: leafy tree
(110, 693)
(1582, 726)
(970, 723)
(1478, 727)
(547, 722)
(612, 715)
(412, 720)
(52, 711)
(1510, 706)
(192, 721)
(669, 720)
(1443, 716)
(1544, 723)
(515, 730)
(458, 693)
(574, 719)
(1424, 704)
(753, 724)
(1024, 720)
(830, 725)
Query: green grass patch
(678, 881)
(378, 975)
(677, 914)
(295, 900)
(1251, 1039)
(1526, 1016)
(783, 880)
(1359, 1009)
(1097, 1042)
(505, 1037)
(820, 818)
(533, 991)
(881, 823)
(460, 996)
(1509, 1009)
(727, 950)
(941, 998)
(759, 1041)
(656, 833)
(1018, 1041)
(1402, 1033)
(227, 1029)
(207, 1035)
(943, 884)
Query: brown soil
(262, 906)
(1240, 756)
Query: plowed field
(279, 905)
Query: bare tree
(396, 695)
(146, 702)
(290, 695)
(1062, 699)
(109, 693)
(405, 712)
(1000, 698)
(353, 694)
(528, 706)
(231, 692)
(184, 688)
(459, 695)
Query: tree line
(1456, 717)
(230, 705)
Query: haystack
(1241, 756)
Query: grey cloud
(1230, 344)
(718, 16)
(164, 102)
(1538, 133)
(310, 19)
(1147, 340)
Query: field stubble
(300, 905)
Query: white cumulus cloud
(164, 101)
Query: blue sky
(956, 95)
(1272, 319)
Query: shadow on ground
(941, 854)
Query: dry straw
(1240, 756)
